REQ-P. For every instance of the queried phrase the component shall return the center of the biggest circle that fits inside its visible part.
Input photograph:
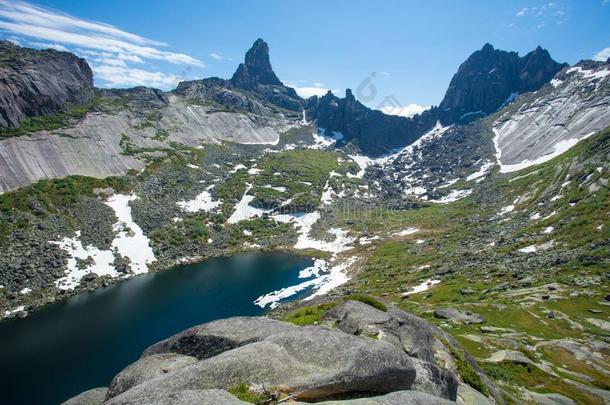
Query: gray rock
(549, 398)
(93, 396)
(394, 398)
(433, 380)
(314, 362)
(512, 356)
(407, 332)
(38, 82)
(186, 397)
(210, 339)
(147, 368)
(459, 316)
(467, 395)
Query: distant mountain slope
(490, 78)
(576, 104)
(34, 83)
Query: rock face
(34, 83)
(374, 132)
(490, 78)
(256, 74)
(459, 316)
(574, 105)
(360, 351)
(256, 69)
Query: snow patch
(454, 195)
(202, 202)
(423, 286)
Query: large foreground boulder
(210, 339)
(357, 355)
(311, 362)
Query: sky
(398, 56)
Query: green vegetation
(537, 380)
(130, 149)
(243, 392)
(368, 300)
(56, 194)
(466, 371)
(299, 174)
(48, 122)
(309, 315)
(51, 197)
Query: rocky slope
(575, 104)
(34, 83)
(355, 350)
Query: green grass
(243, 392)
(48, 122)
(54, 196)
(537, 380)
(368, 300)
(308, 315)
(469, 375)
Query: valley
(486, 216)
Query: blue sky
(413, 47)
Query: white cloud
(48, 45)
(217, 56)
(111, 62)
(405, 111)
(521, 12)
(119, 76)
(602, 55)
(49, 25)
(307, 92)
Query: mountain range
(486, 215)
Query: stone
(434, 380)
(459, 316)
(394, 398)
(313, 362)
(600, 323)
(186, 397)
(210, 339)
(549, 398)
(512, 356)
(93, 396)
(148, 368)
(466, 395)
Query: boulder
(434, 380)
(467, 395)
(147, 368)
(458, 316)
(93, 396)
(210, 339)
(186, 397)
(313, 362)
(512, 356)
(409, 333)
(394, 398)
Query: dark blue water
(82, 342)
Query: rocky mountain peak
(37, 82)
(490, 77)
(256, 68)
(487, 47)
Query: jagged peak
(487, 47)
(256, 68)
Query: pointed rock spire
(256, 68)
